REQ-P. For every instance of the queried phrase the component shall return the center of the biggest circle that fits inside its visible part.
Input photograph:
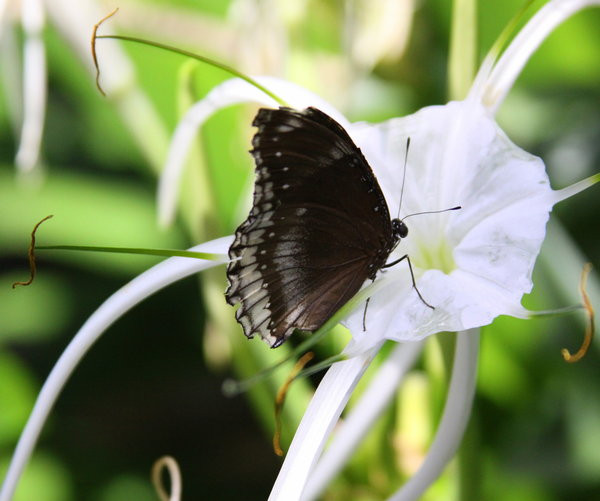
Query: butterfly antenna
(403, 175)
(432, 212)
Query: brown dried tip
(589, 331)
(31, 255)
(93, 41)
(280, 399)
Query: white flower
(472, 265)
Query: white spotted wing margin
(318, 228)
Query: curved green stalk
(137, 250)
(212, 62)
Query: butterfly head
(399, 229)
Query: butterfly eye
(399, 228)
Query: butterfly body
(318, 228)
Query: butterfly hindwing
(318, 228)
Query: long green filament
(176, 50)
(137, 250)
(117, 250)
(212, 62)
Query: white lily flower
(472, 265)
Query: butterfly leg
(412, 276)
(365, 311)
(365, 314)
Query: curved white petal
(514, 58)
(144, 285)
(472, 264)
(454, 419)
(230, 92)
(34, 86)
(355, 426)
(319, 419)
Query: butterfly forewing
(318, 228)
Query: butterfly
(319, 226)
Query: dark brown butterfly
(319, 226)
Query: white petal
(454, 419)
(458, 156)
(316, 425)
(355, 426)
(230, 92)
(34, 86)
(144, 285)
(514, 58)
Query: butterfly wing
(318, 228)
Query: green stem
(134, 250)
(212, 62)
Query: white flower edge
(230, 92)
(165, 273)
(459, 156)
(349, 433)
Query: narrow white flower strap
(230, 92)
(454, 419)
(512, 61)
(165, 273)
(319, 419)
(34, 86)
(353, 429)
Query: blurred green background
(151, 385)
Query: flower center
(435, 255)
